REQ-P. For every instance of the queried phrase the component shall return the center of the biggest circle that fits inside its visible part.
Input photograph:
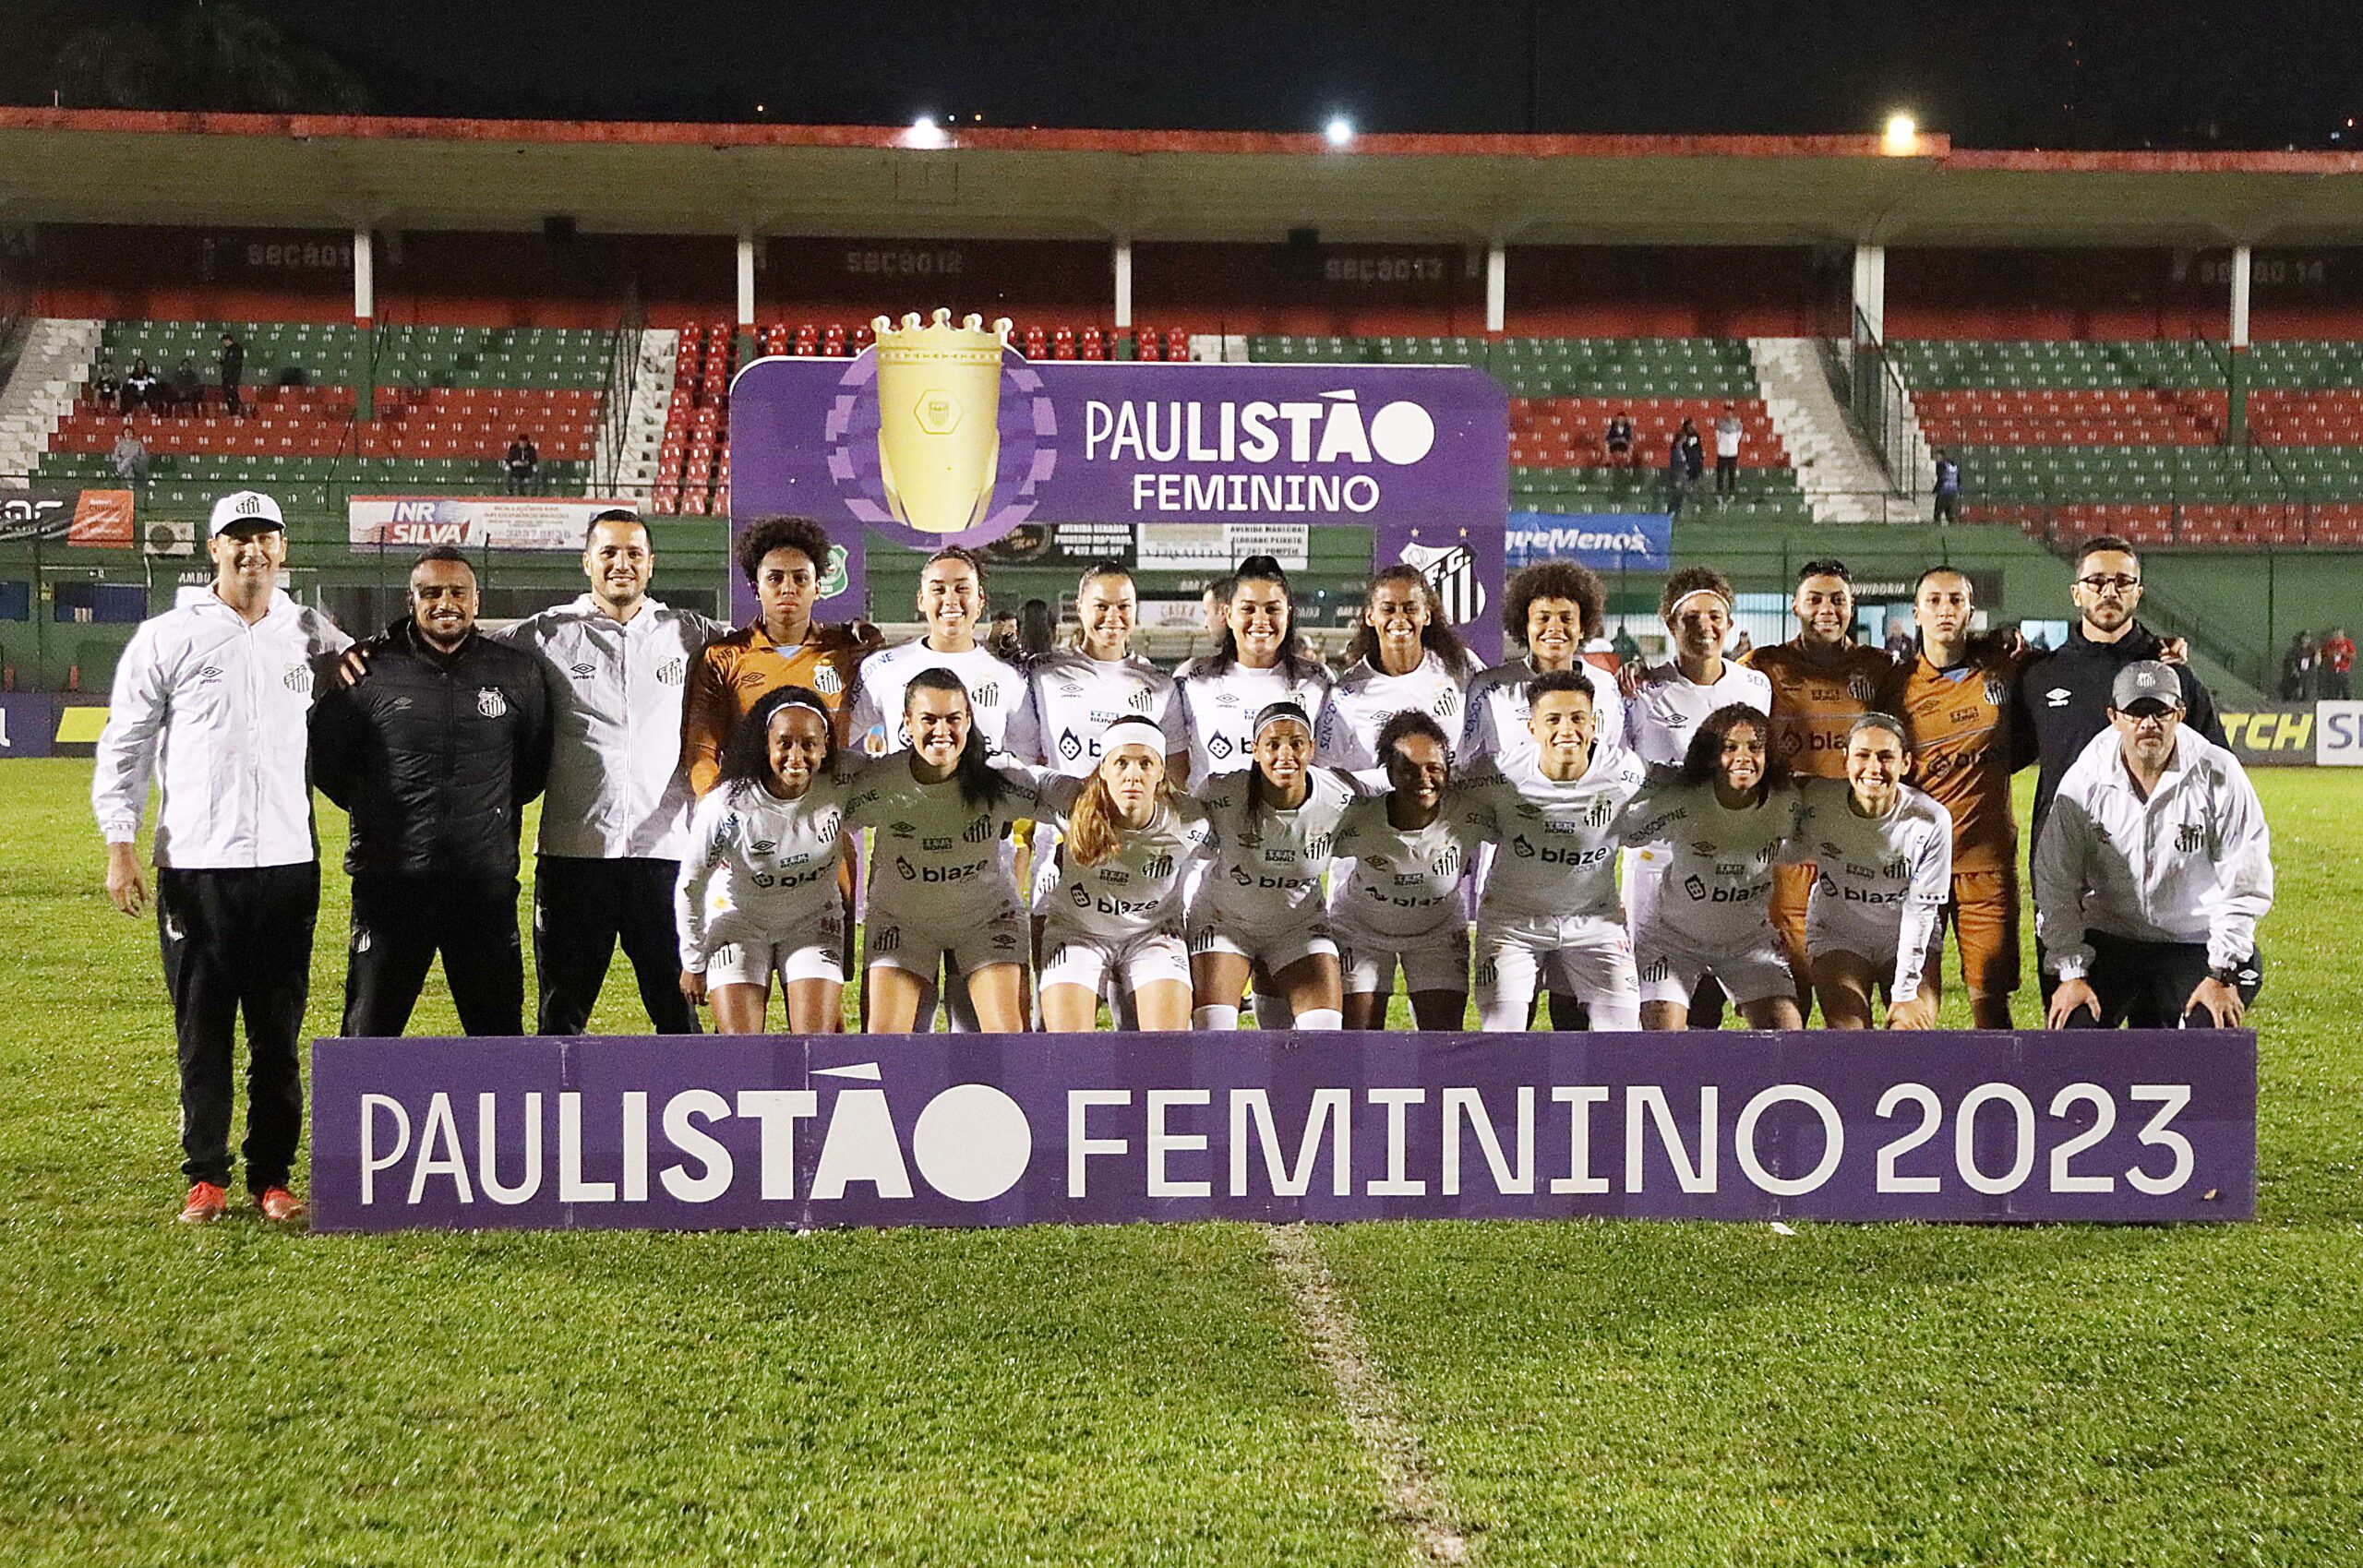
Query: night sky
(2126, 74)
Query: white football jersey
(1715, 865)
(1219, 710)
(1139, 888)
(1071, 697)
(1497, 712)
(935, 858)
(1557, 838)
(1668, 708)
(996, 690)
(1402, 882)
(1879, 883)
(1365, 698)
(1267, 864)
(771, 861)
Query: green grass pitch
(1582, 1393)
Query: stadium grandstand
(2102, 342)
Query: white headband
(1710, 592)
(1114, 735)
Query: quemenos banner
(1094, 1128)
(943, 435)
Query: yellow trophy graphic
(939, 419)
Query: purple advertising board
(941, 436)
(854, 1131)
(28, 724)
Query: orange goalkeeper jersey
(1815, 699)
(1962, 747)
(734, 673)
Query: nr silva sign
(1010, 1130)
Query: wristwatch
(2227, 974)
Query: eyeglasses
(2110, 585)
(2148, 716)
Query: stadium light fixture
(1340, 132)
(924, 132)
(1902, 136)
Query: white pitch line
(1414, 1495)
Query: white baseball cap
(244, 506)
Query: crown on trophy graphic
(939, 418)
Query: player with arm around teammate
(940, 889)
(758, 895)
(1394, 884)
(1404, 658)
(1550, 905)
(1551, 609)
(1276, 826)
(1260, 661)
(1115, 903)
(1719, 828)
(1883, 857)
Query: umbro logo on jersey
(749, 680)
(1226, 699)
(1830, 851)
(583, 671)
(764, 845)
(1069, 747)
(902, 830)
(1703, 848)
(1069, 689)
(209, 675)
(1376, 862)
(672, 672)
(2057, 697)
(490, 703)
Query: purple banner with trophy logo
(1102, 1129)
(941, 436)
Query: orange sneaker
(279, 1205)
(206, 1203)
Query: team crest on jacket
(2189, 836)
(490, 703)
(672, 672)
(298, 678)
(826, 681)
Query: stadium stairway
(636, 428)
(56, 362)
(1841, 479)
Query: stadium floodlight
(924, 132)
(1902, 136)
(1339, 131)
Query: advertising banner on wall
(28, 724)
(473, 522)
(2338, 734)
(1106, 1129)
(98, 519)
(941, 436)
(1605, 542)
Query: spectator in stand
(106, 387)
(2337, 666)
(522, 461)
(1678, 476)
(2298, 669)
(1948, 489)
(1627, 652)
(1727, 439)
(1694, 451)
(1901, 644)
(130, 457)
(138, 387)
(1620, 440)
(232, 357)
(186, 394)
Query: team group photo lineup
(1072, 836)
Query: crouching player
(1549, 903)
(1884, 856)
(757, 891)
(941, 888)
(1399, 902)
(1274, 827)
(1719, 828)
(1115, 903)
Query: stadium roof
(299, 171)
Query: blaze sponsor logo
(1069, 747)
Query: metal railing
(1880, 404)
(620, 386)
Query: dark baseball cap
(2145, 680)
